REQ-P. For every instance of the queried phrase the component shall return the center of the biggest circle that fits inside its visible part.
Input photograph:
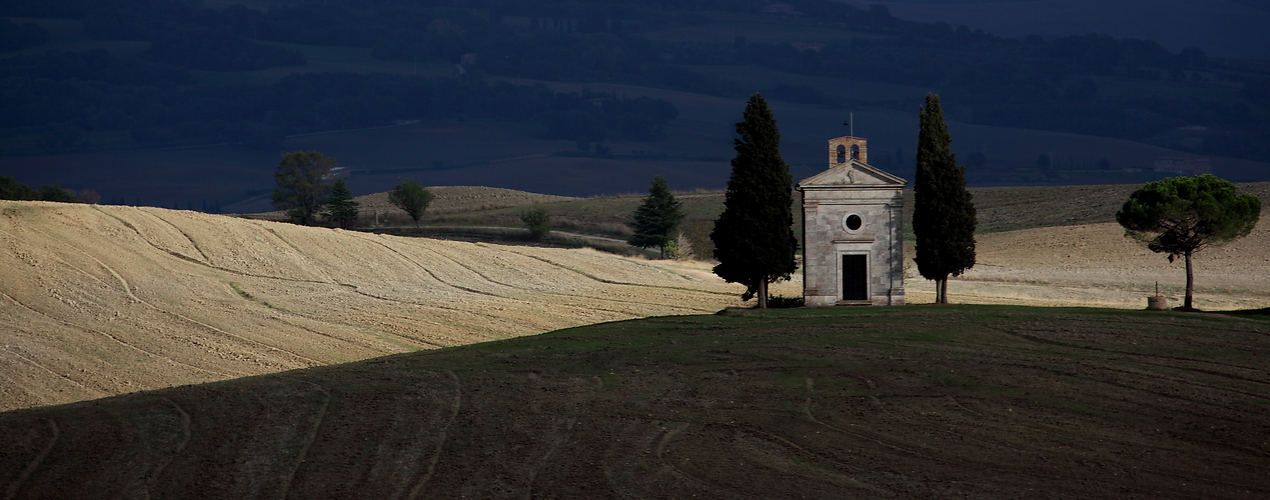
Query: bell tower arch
(844, 149)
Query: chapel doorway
(855, 277)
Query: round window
(854, 222)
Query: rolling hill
(915, 402)
(103, 300)
(694, 154)
(999, 209)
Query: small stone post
(1157, 302)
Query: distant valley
(1226, 28)
(1098, 109)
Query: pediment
(852, 173)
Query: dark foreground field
(914, 402)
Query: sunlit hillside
(103, 300)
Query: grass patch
(1263, 313)
(244, 294)
(895, 398)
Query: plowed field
(103, 300)
(919, 402)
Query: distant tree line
(53, 100)
(1031, 83)
(11, 189)
(215, 50)
(641, 118)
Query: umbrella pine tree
(1183, 215)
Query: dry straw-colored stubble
(1096, 265)
(106, 300)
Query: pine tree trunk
(1190, 283)
(762, 293)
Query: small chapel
(853, 221)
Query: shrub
(777, 301)
(683, 248)
(538, 222)
(411, 197)
(53, 192)
(697, 233)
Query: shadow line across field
(921, 401)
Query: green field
(914, 402)
(999, 208)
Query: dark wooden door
(855, 276)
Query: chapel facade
(853, 220)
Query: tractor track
(417, 489)
(12, 491)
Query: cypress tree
(753, 238)
(943, 213)
(657, 218)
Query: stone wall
(828, 238)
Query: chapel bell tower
(853, 219)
